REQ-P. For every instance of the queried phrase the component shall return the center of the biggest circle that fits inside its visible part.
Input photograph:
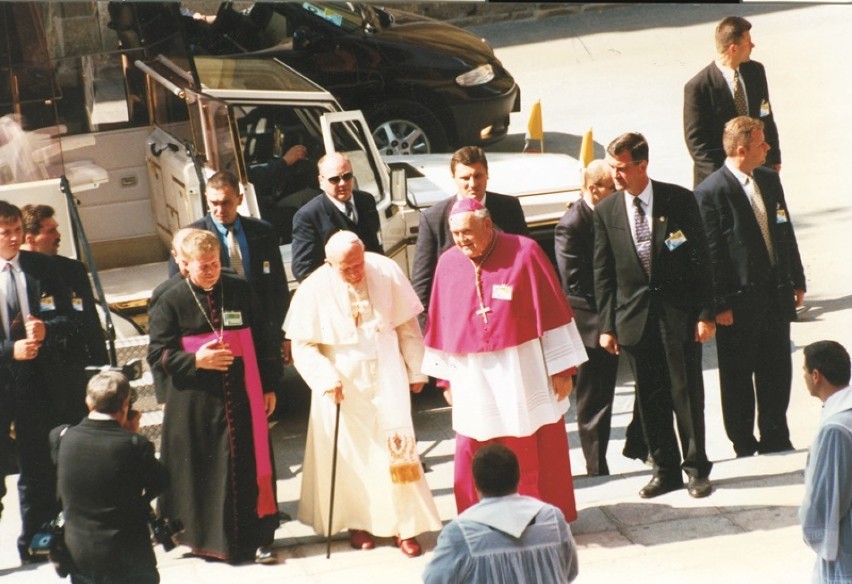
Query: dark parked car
(423, 85)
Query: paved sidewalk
(752, 513)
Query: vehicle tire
(404, 127)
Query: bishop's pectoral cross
(483, 312)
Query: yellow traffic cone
(587, 149)
(535, 131)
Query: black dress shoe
(699, 487)
(764, 448)
(657, 486)
(264, 555)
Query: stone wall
(469, 13)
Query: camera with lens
(163, 531)
(132, 370)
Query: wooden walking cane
(333, 478)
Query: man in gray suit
(653, 288)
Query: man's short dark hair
(496, 472)
(730, 32)
(831, 360)
(107, 391)
(632, 142)
(224, 178)
(9, 213)
(33, 215)
(468, 155)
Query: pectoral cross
(483, 312)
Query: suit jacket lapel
(752, 96)
(334, 215)
(739, 202)
(722, 91)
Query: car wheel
(407, 128)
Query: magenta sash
(240, 343)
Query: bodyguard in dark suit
(34, 309)
(469, 168)
(86, 345)
(758, 281)
(653, 288)
(259, 256)
(710, 99)
(594, 386)
(338, 207)
(107, 477)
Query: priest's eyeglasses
(345, 177)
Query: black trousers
(37, 481)
(595, 390)
(755, 364)
(666, 364)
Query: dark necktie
(739, 95)
(350, 211)
(13, 306)
(643, 235)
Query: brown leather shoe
(361, 540)
(409, 546)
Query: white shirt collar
(741, 177)
(839, 401)
(646, 196)
(15, 261)
(340, 206)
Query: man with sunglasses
(338, 207)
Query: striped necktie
(643, 235)
(13, 306)
(234, 254)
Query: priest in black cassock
(208, 336)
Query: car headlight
(478, 76)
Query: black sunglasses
(345, 177)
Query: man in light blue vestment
(506, 538)
(825, 511)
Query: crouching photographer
(106, 479)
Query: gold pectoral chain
(220, 335)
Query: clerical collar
(197, 287)
(484, 256)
